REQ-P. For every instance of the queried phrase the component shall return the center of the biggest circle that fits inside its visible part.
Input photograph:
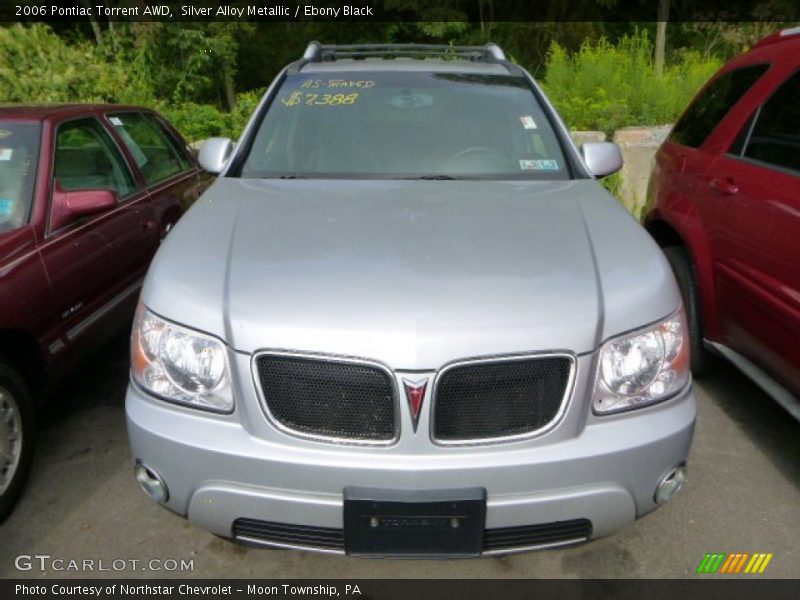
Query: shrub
(196, 121)
(606, 87)
(39, 67)
(246, 103)
(200, 121)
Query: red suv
(725, 206)
(86, 195)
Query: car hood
(411, 273)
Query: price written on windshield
(312, 99)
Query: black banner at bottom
(404, 589)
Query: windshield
(19, 149)
(405, 125)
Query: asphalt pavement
(83, 504)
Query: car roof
(785, 35)
(405, 64)
(780, 47)
(41, 112)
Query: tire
(17, 427)
(685, 275)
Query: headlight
(178, 364)
(644, 367)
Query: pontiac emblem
(415, 393)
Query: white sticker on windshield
(6, 153)
(528, 122)
(116, 121)
(538, 165)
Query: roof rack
(316, 52)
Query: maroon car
(725, 196)
(86, 195)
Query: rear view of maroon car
(725, 207)
(86, 195)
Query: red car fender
(679, 214)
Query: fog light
(151, 483)
(670, 484)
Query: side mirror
(602, 158)
(69, 206)
(214, 154)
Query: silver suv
(407, 320)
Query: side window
(711, 106)
(775, 136)
(738, 144)
(86, 158)
(19, 157)
(155, 151)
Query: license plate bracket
(424, 523)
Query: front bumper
(222, 468)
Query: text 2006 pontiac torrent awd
(407, 320)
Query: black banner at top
(474, 11)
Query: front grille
(327, 538)
(508, 538)
(479, 401)
(501, 539)
(326, 398)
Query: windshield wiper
(408, 178)
(438, 177)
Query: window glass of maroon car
(155, 151)
(775, 138)
(19, 145)
(86, 158)
(713, 103)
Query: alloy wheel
(10, 438)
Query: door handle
(725, 187)
(149, 225)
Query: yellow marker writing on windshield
(312, 99)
